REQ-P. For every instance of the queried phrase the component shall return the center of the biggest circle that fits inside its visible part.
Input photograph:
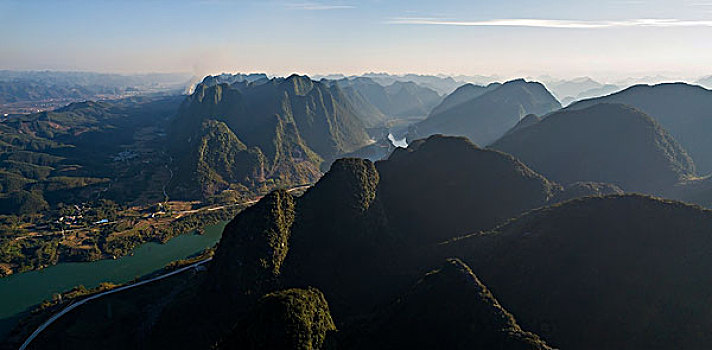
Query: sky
(605, 39)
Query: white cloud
(317, 6)
(700, 4)
(553, 23)
(628, 2)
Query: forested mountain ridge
(610, 143)
(484, 118)
(275, 132)
(361, 237)
(554, 269)
(684, 110)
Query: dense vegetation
(354, 238)
(259, 135)
(289, 319)
(254, 259)
(74, 154)
(539, 253)
(599, 273)
(605, 143)
(356, 241)
(417, 181)
(20, 252)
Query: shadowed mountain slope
(430, 176)
(288, 319)
(602, 272)
(604, 143)
(682, 109)
(449, 308)
(363, 237)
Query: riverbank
(38, 248)
(83, 237)
(24, 291)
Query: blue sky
(605, 38)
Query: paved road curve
(116, 290)
(96, 296)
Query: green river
(22, 291)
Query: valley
(357, 205)
(355, 174)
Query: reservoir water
(398, 143)
(22, 291)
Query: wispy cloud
(552, 23)
(699, 3)
(627, 2)
(318, 6)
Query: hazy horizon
(607, 41)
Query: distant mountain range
(377, 104)
(463, 94)
(441, 84)
(227, 78)
(682, 109)
(706, 82)
(485, 114)
(568, 91)
(22, 91)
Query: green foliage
(218, 160)
(31, 171)
(114, 239)
(11, 182)
(67, 155)
(253, 247)
(288, 319)
(251, 133)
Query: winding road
(73, 306)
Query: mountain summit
(257, 134)
(684, 110)
(486, 117)
(609, 143)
